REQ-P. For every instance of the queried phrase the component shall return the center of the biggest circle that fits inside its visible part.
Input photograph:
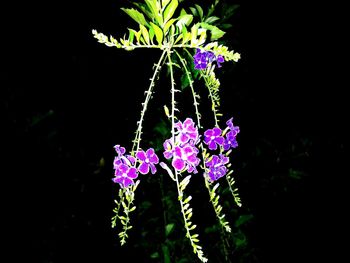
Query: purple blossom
(147, 160)
(183, 150)
(202, 58)
(231, 141)
(213, 138)
(219, 59)
(187, 131)
(124, 175)
(186, 158)
(216, 165)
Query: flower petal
(144, 168)
(220, 140)
(178, 164)
(153, 168)
(141, 155)
(150, 152)
(132, 173)
(127, 181)
(216, 131)
(212, 145)
(154, 159)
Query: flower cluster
(214, 138)
(203, 58)
(216, 166)
(125, 165)
(183, 150)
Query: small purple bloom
(187, 131)
(168, 147)
(212, 137)
(186, 158)
(200, 59)
(231, 141)
(216, 165)
(220, 59)
(120, 150)
(124, 175)
(147, 160)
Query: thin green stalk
(194, 95)
(138, 133)
(183, 204)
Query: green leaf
(243, 219)
(168, 24)
(187, 199)
(211, 19)
(170, 10)
(216, 33)
(169, 229)
(200, 11)
(184, 20)
(145, 34)
(155, 255)
(166, 254)
(131, 35)
(194, 11)
(151, 34)
(152, 5)
(164, 3)
(136, 15)
(158, 32)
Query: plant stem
(136, 141)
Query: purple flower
(187, 131)
(219, 59)
(120, 150)
(124, 175)
(147, 160)
(231, 141)
(216, 165)
(186, 158)
(200, 59)
(168, 147)
(212, 137)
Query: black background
(67, 100)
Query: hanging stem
(184, 204)
(194, 95)
(138, 133)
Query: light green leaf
(184, 20)
(151, 34)
(136, 15)
(145, 34)
(158, 32)
(168, 24)
(187, 199)
(164, 3)
(200, 11)
(211, 19)
(169, 229)
(170, 10)
(216, 33)
(131, 35)
(194, 11)
(183, 12)
(152, 5)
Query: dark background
(67, 100)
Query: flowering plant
(189, 149)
